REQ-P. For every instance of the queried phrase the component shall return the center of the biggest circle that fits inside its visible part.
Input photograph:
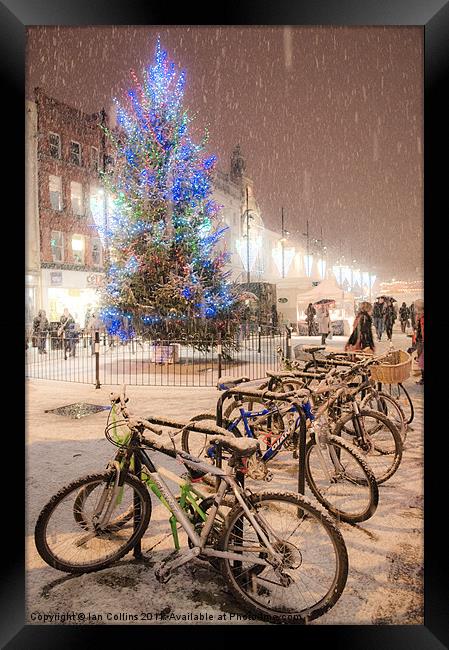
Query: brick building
(70, 151)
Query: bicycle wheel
(309, 572)
(78, 544)
(399, 393)
(376, 438)
(340, 479)
(388, 406)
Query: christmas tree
(165, 276)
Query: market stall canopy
(325, 301)
(328, 289)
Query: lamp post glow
(284, 234)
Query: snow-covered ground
(385, 583)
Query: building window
(96, 207)
(55, 145)
(75, 153)
(94, 158)
(57, 245)
(78, 249)
(76, 197)
(55, 187)
(96, 251)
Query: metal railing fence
(98, 358)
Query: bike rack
(282, 397)
(196, 426)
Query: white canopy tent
(328, 288)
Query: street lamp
(248, 217)
(284, 235)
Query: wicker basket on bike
(394, 369)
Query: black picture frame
(433, 16)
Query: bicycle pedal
(163, 569)
(161, 577)
(162, 573)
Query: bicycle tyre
(357, 475)
(389, 449)
(388, 406)
(47, 549)
(316, 534)
(406, 403)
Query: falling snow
(329, 119)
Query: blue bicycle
(336, 473)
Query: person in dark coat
(418, 338)
(41, 326)
(390, 317)
(412, 315)
(66, 330)
(378, 317)
(310, 315)
(362, 335)
(404, 315)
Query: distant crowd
(68, 331)
(382, 315)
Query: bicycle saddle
(229, 382)
(313, 348)
(241, 447)
(280, 373)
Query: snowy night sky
(329, 119)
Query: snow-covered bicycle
(282, 557)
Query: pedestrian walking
(379, 317)
(412, 315)
(362, 336)
(73, 333)
(404, 315)
(66, 324)
(41, 326)
(418, 338)
(324, 323)
(310, 315)
(390, 317)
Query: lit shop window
(57, 245)
(78, 248)
(94, 158)
(96, 203)
(75, 153)
(55, 188)
(54, 145)
(96, 252)
(76, 197)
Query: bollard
(259, 330)
(97, 359)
